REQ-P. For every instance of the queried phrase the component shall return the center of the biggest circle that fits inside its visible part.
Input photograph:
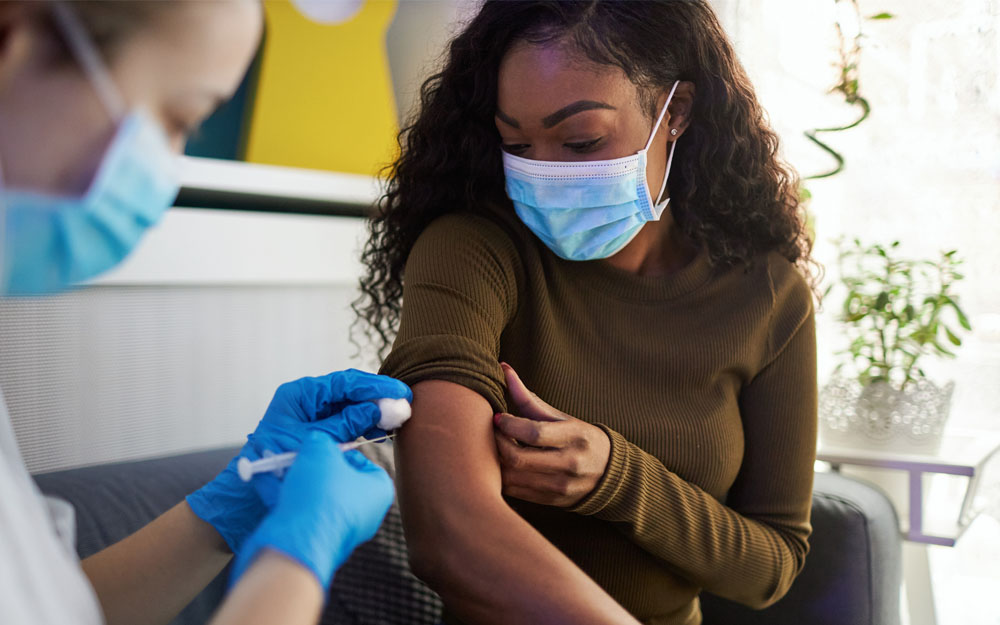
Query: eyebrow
(510, 121)
(577, 107)
(559, 116)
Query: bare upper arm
(485, 561)
(446, 456)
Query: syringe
(394, 413)
(279, 462)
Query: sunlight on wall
(924, 169)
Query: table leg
(919, 590)
(967, 514)
(916, 504)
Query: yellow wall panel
(324, 95)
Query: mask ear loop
(673, 144)
(666, 174)
(86, 53)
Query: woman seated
(606, 320)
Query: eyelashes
(579, 147)
(515, 148)
(583, 147)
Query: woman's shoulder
(791, 296)
(771, 295)
(463, 232)
(465, 245)
(789, 287)
(767, 281)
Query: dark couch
(851, 577)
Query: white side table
(961, 454)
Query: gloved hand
(329, 502)
(338, 404)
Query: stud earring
(673, 132)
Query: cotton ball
(395, 412)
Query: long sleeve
(460, 291)
(750, 548)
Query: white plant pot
(879, 416)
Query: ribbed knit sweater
(704, 380)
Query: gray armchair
(853, 572)
(851, 576)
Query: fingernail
(505, 365)
(496, 418)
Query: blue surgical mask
(51, 242)
(586, 210)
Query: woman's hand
(547, 456)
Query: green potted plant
(897, 314)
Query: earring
(673, 132)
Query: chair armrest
(853, 572)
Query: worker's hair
(729, 190)
(109, 23)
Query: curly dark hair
(729, 190)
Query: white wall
(182, 347)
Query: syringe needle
(365, 441)
(246, 468)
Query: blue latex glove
(329, 502)
(338, 404)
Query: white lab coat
(41, 582)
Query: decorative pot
(879, 416)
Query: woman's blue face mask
(50, 242)
(586, 210)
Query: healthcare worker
(95, 99)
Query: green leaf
(962, 319)
(882, 16)
(943, 350)
(951, 337)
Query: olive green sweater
(704, 380)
